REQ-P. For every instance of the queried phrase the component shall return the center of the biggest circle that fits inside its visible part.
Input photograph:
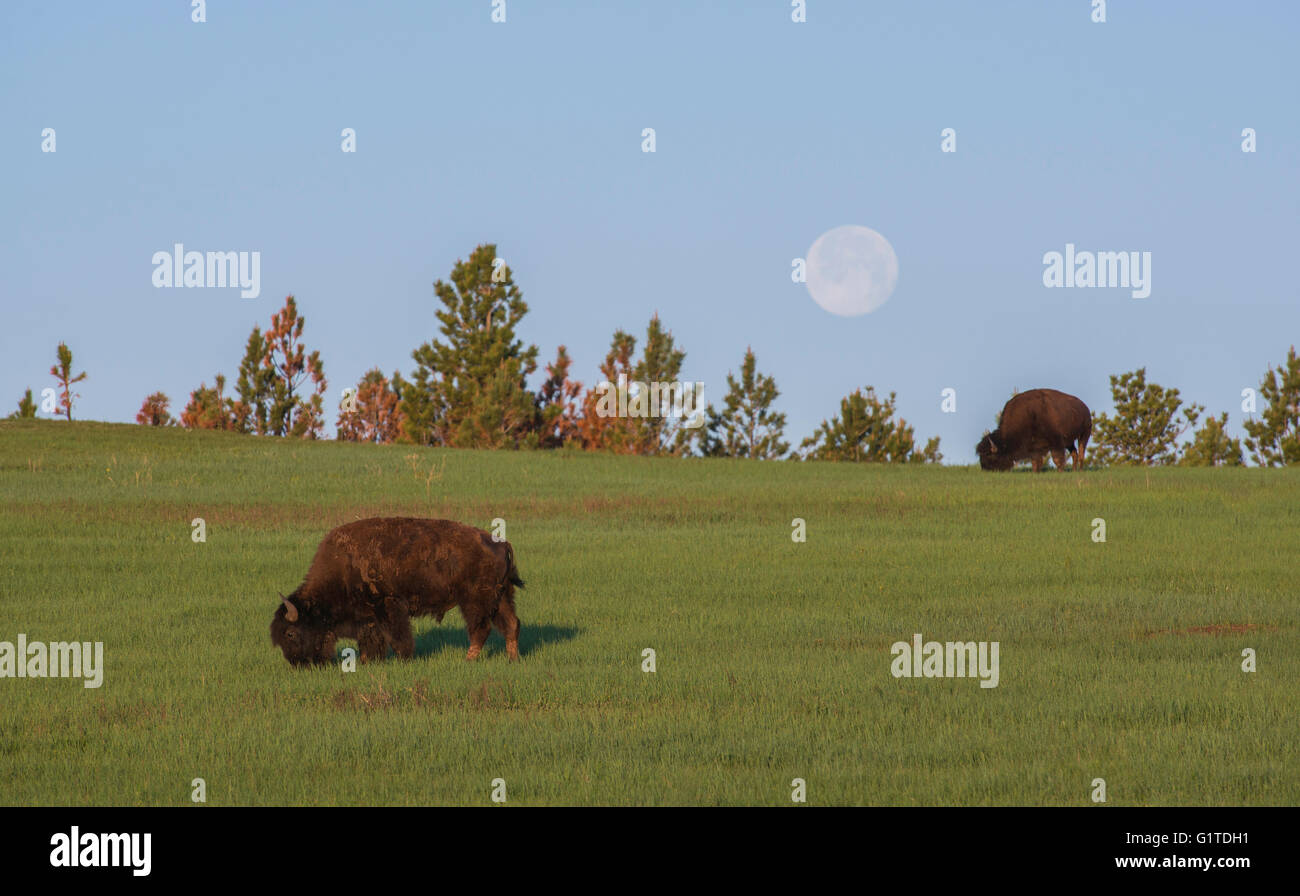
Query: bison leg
(1078, 455)
(477, 638)
(479, 625)
(373, 644)
(508, 624)
(397, 629)
(1037, 461)
(1058, 458)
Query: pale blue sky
(225, 136)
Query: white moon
(852, 270)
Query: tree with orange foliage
(372, 413)
(274, 369)
(62, 372)
(641, 408)
(610, 433)
(289, 413)
(209, 408)
(558, 404)
(154, 411)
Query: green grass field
(1119, 660)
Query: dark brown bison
(1034, 423)
(370, 577)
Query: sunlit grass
(1119, 660)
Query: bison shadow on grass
(442, 638)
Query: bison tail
(512, 571)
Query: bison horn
(290, 611)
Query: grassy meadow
(1119, 660)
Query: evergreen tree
(290, 367)
(648, 417)
(557, 402)
(423, 411)
(930, 454)
(209, 408)
(502, 413)
(26, 408)
(747, 426)
(658, 432)
(1275, 438)
(1211, 447)
(1146, 426)
(470, 389)
(253, 407)
(600, 428)
(62, 371)
(866, 431)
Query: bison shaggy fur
(1034, 423)
(370, 577)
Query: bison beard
(1034, 423)
(370, 577)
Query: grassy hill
(1118, 660)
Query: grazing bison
(370, 577)
(1034, 423)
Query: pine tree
(557, 402)
(1275, 438)
(288, 412)
(470, 389)
(647, 416)
(930, 454)
(62, 371)
(26, 407)
(1146, 426)
(600, 428)
(424, 414)
(154, 411)
(660, 366)
(1211, 447)
(502, 414)
(252, 409)
(866, 431)
(375, 416)
(209, 408)
(747, 426)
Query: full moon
(852, 270)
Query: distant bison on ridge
(1034, 423)
(369, 577)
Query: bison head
(993, 456)
(302, 640)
